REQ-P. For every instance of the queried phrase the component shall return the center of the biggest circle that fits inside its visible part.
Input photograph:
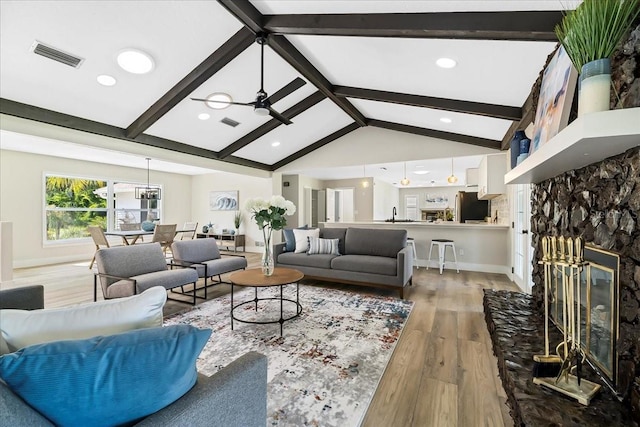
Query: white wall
(375, 145)
(385, 197)
(22, 202)
(248, 188)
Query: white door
(331, 205)
(522, 250)
(347, 213)
(411, 207)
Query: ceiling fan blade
(273, 113)
(250, 104)
(291, 87)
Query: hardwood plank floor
(442, 372)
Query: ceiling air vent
(230, 122)
(56, 54)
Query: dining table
(130, 237)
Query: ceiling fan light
(262, 111)
(218, 101)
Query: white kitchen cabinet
(472, 177)
(491, 173)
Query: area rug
(325, 368)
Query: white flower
(290, 208)
(278, 202)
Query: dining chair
(132, 226)
(190, 230)
(164, 234)
(100, 240)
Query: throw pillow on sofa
(22, 328)
(289, 238)
(106, 380)
(323, 246)
(302, 243)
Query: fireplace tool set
(563, 262)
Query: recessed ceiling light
(446, 63)
(135, 61)
(218, 101)
(203, 116)
(421, 172)
(275, 144)
(106, 80)
(445, 120)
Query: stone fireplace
(601, 204)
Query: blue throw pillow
(289, 239)
(106, 380)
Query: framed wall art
(556, 95)
(223, 200)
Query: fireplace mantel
(589, 139)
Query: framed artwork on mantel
(223, 200)
(556, 95)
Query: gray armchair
(128, 270)
(205, 257)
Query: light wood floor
(442, 373)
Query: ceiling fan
(262, 104)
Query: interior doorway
(340, 205)
(522, 250)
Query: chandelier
(148, 192)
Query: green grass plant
(594, 29)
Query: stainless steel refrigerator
(469, 208)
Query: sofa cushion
(197, 250)
(302, 243)
(168, 279)
(15, 412)
(106, 380)
(289, 238)
(322, 246)
(319, 261)
(223, 265)
(365, 241)
(22, 328)
(335, 233)
(366, 264)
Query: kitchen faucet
(393, 214)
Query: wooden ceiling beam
(456, 137)
(203, 72)
(458, 106)
(522, 25)
(318, 144)
(290, 113)
(30, 112)
(253, 19)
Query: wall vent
(56, 54)
(230, 122)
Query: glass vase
(267, 261)
(595, 86)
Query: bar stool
(443, 244)
(412, 243)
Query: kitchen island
(480, 247)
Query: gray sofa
(235, 396)
(369, 257)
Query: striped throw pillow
(322, 246)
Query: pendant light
(365, 181)
(452, 178)
(148, 192)
(405, 181)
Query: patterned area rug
(326, 367)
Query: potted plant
(590, 34)
(237, 221)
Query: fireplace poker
(546, 365)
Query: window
(72, 204)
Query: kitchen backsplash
(501, 205)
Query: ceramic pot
(515, 146)
(594, 87)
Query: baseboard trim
(481, 268)
(37, 262)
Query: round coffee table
(255, 278)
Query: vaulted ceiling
(332, 67)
